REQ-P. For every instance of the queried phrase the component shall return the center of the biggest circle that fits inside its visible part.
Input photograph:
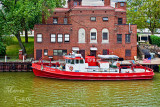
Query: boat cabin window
(69, 61)
(72, 61)
(77, 61)
(81, 61)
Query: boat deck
(96, 69)
(136, 70)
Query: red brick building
(89, 30)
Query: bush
(2, 49)
(155, 40)
(8, 40)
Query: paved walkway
(153, 61)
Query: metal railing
(108, 70)
(14, 59)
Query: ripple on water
(52, 92)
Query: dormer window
(122, 4)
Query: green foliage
(144, 13)
(17, 15)
(2, 49)
(7, 40)
(13, 48)
(155, 40)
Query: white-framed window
(55, 20)
(128, 38)
(81, 35)
(65, 21)
(59, 52)
(105, 36)
(119, 38)
(93, 18)
(93, 35)
(39, 37)
(66, 39)
(45, 52)
(105, 18)
(53, 38)
(120, 20)
(122, 4)
(60, 38)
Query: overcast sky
(97, 2)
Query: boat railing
(143, 67)
(136, 66)
(103, 70)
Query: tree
(2, 47)
(17, 15)
(144, 13)
(31, 20)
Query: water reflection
(24, 89)
(82, 93)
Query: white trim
(75, 48)
(81, 35)
(93, 49)
(105, 30)
(93, 30)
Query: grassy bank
(13, 46)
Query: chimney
(121, 5)
(107, 2)
(72, 3)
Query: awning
(75, 48)
(93, 49)
(108, 56)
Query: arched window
(81, 35)
(105, 36)
(93, 36)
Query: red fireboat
(90, 68)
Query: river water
(23, 89)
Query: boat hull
(58, 74)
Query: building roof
(85, 8)
(120, 10)
(61, 9)
(92, 8)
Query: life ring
(71, 68)
(118, 64)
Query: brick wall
(80, 18)
(113, 46)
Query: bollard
(143, 57)
(5, 58)
(23, 58)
